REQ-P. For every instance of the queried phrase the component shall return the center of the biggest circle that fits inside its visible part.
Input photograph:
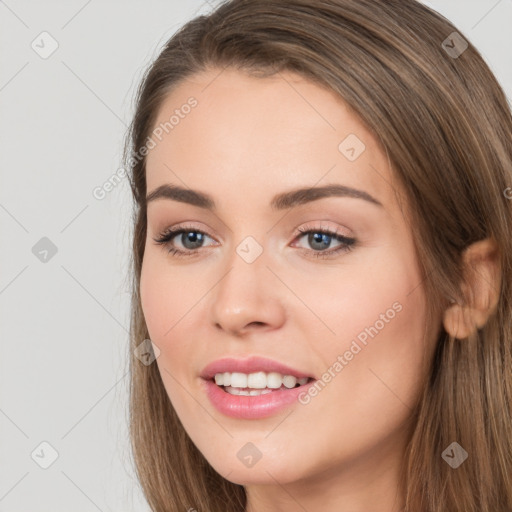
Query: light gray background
(64, 322)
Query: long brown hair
(445, 123)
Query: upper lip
(249, 365)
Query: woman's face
(255, 276)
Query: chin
(264, 471)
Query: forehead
(222, 130)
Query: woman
(322, 262)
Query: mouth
(255, 387)
(257, 383)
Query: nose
(248, 297)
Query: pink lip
(251, 365)
(250, 407)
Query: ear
(482, 281)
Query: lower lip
(252, 407)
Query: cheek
(373, 366)
(173, 312)
(380, 334)
(378, 287)
(165, 295)
(373, 314)
(165, 302)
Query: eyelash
(347, 244)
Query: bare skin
(247, 140)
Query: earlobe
(482, 280)
(460, 321)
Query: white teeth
(252, 392)
(274, 380)
(238, 380)
(258, 380)
(289, 381)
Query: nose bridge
(246, 294)
(243, 287)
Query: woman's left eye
(322, 238)
(192, 240)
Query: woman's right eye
(190, 238)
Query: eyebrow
(282, 201)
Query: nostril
(257, 324)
